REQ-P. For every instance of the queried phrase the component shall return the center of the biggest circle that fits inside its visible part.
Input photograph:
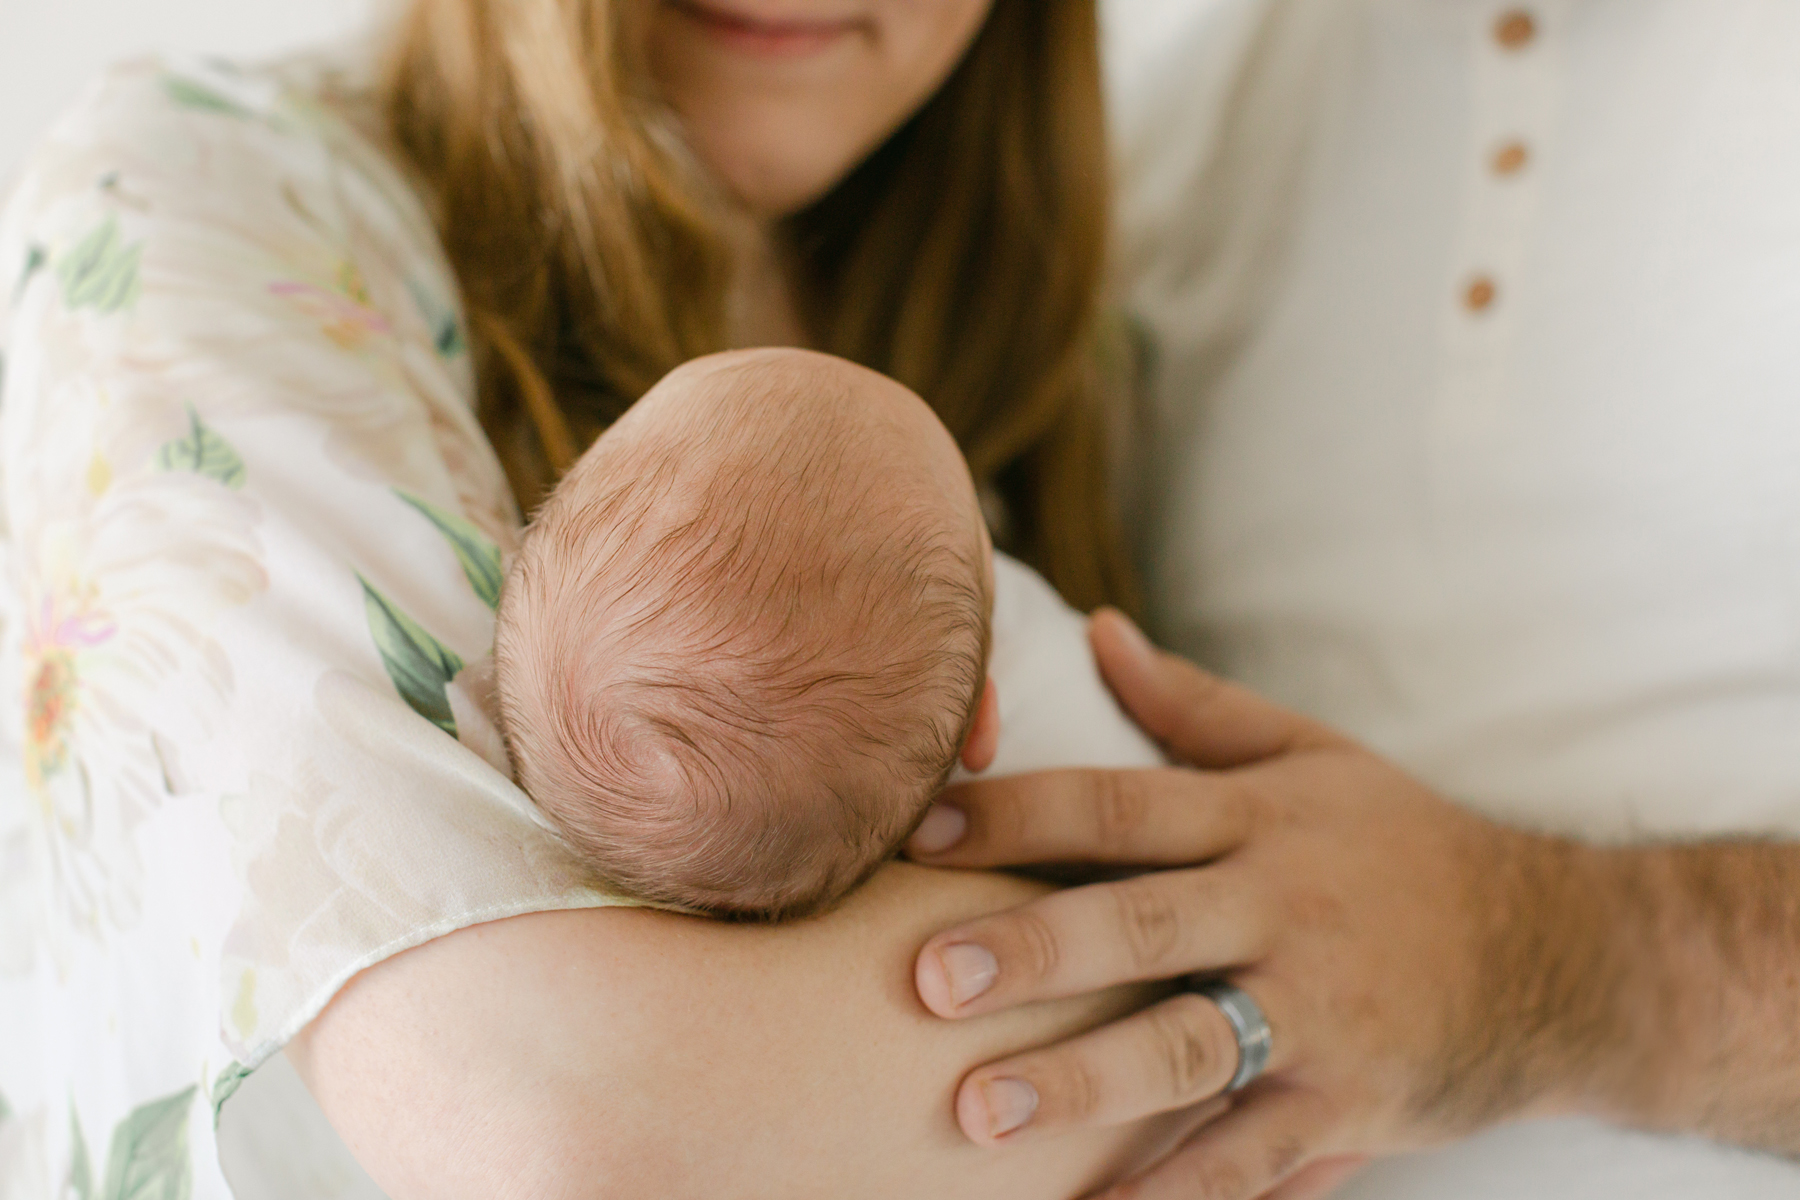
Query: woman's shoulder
(195, 228)
(273, 156)
(152, 111)
(178, 110)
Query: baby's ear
(984, 732)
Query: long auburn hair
(963, 258)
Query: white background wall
(50, 48)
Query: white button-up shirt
(1476, 420)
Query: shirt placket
(1517, 53)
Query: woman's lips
(775, 37)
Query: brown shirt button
(1479, 296)
(1515, 29)
(1510, 158)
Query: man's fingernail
(1010, 1103)
(941, 829)
(969, 970)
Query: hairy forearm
(1655, 985)
(1717, 1010)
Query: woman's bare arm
(624, 1053)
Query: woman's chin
(770, 187)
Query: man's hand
(1425, 971)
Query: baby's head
(746, 639)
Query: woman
(255, 538)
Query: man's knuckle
(1149, 921)
(1072, 1087)
(1317, 910)
(1189, 1048)
(1039, 949)
(1120, 808)
(1009, 818)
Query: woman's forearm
(607, 1052)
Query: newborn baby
(747, 640)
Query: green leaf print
(81, 1171)
(35, 258)
(5, 1110)
(149, 1155)
(100, 272)
(450, 338)
(203, 452)
(228, 1082)
(418, 663)
(189, 94)
(479, 557)
(446, 331)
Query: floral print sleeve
(252, 539)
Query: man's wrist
(1623, 1042)
(1687, 954)
(1564, 1015)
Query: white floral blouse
(251, 537)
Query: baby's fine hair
(743, 642)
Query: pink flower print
(84, 628)
(49, 704)
(54, 683)
(343, 312)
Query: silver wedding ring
(1254, 1037)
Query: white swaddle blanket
(1055, 710)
